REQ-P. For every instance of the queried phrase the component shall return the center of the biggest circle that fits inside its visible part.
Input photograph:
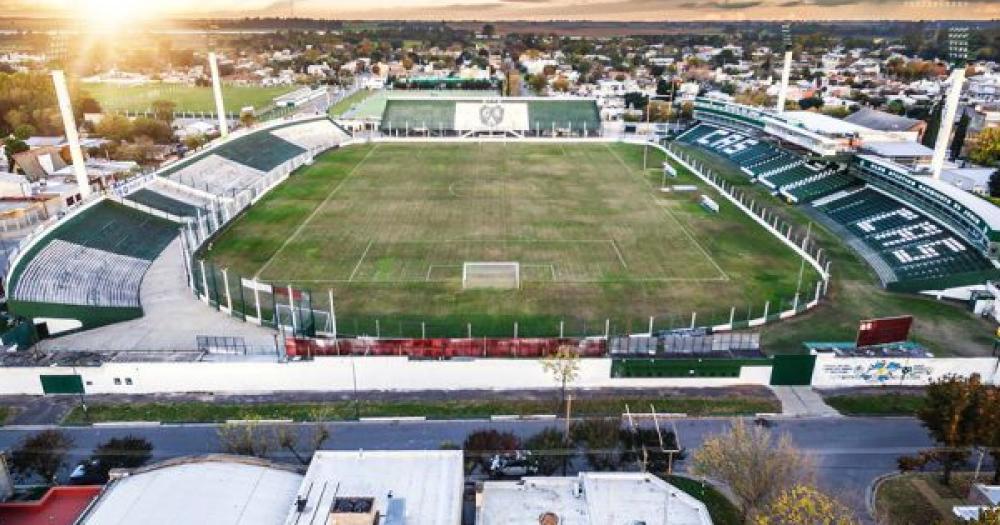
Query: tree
(538, 83)
(961, 130)
(933, 125)
(995, 184)
(987, 149)
(987, 516)
(601, 439)
(987, 413)
(158, 131)
(948, 414)
(114, 127)
(549, 447)
(24, 131)
(289, 437)
(480, 446)
(805, 505)
(195, 141)
(127, 452)
(636, 100)
(163, 110)
(755, 466)
(247, 119)
(245, 439)
(564, 367)
(41, 454)
(896, 107)
(13, 146)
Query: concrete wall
(335, 374)
(833, 372)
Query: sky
(619, 10)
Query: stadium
(507, 218)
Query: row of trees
(43, 455)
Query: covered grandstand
(465, 116)
(918, 233)
(88, 269)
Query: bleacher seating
(781, 171)
(913, 245)
(242, 161)
(166, 203)
(96, 258)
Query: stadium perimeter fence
(302, 312)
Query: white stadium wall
(335, 374)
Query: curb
(390, 419)
(263, 421)
(872, 488)
(127, 424)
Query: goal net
(491, 275)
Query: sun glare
(111, 14)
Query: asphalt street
(849, 452)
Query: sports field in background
(388, 227)
(114, 97)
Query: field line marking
(314, 213)
(361, 260)
(669, 213)
(618, 253)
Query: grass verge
(193, 412)
(722, 510)
(892, 404)
(5, 412)
(920, 498)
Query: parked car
(89, 472)
(513, 465)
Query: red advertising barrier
(442, 348)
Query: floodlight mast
(72, 136)
(786, 70)
(220, 108)
(958, 44)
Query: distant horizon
(656, 11)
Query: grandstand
(918, 233)
(90, 267)
(910, 242)
(780, 171)
(463, 116)
(241, 162)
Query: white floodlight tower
(220, 108)
(72, 137)
(786, 69)
(958, 43)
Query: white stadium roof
(822, 124)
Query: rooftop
(606, 498)
(212, 489)
(425, 485)
(882, 121)
(820, 123)
(899, 149)
(59, 506)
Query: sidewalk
(802, 401)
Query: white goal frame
(514, 266)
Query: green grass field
(947, 329)
(387, 228)
(113, 97)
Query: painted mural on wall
(879, 371)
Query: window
(128, 381)
(118, 381)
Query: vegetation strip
(877, 404)
(193, 412)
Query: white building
(591, 498)
(405, 487)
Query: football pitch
(388, 228)
(113, 97)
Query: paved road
(850, 452)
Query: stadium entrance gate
(792, 370)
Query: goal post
(491, 275)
